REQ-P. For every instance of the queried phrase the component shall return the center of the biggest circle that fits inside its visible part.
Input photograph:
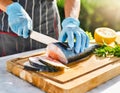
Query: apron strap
(9, 33)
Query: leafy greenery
(108, 51)
(60, 4)
(89, 35)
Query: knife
(42, 38)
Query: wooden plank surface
(76, 69)
(81, 77)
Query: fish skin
(71, 55)
(88, 51)
(27, 66)
(45, 67)
(32, 69)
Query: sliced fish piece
(37, 67)
(28, 66)
(51, 62)
(61, 52)
(34, 61)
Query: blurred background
(96, 13)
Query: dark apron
(45, 18)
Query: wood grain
(81, 77)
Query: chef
(18, 17)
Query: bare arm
(72, 8)
(4, 4)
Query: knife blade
(42, 38)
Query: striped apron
(46, 20)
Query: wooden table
(12, 84)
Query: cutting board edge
(62, 88)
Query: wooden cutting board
(79, 78)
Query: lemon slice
(104, 35)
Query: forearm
(4, 4)
(72, 8)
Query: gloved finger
(25, 32)
(87, 41)
(78, 42)
(83, 41)
(62, 36)
(70, 35)
(87, 38)
(20, 31)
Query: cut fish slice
(27, 66)
(51, 62)
(61, 52)
(34, 61)
(40, 68)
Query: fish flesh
(52, 62)
(63, 53)
(57, 56)
(35, 65)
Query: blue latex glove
(18, 19)
(70, 32)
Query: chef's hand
(18, 19)
(70, 32)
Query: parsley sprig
(108, 51)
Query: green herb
(89, 34)
(107, 51)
